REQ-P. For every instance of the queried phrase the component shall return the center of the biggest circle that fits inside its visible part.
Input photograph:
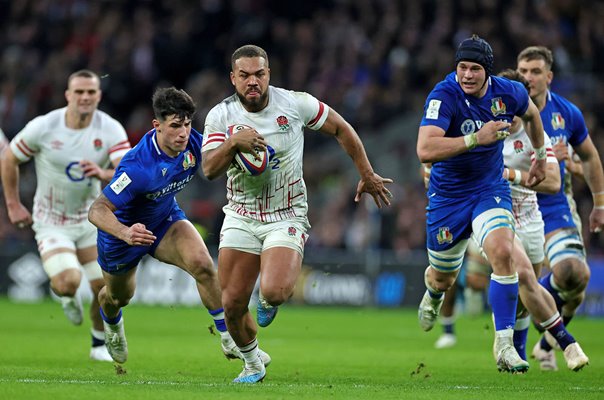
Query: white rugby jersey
(63, 195)
(279, 192)
(518, 154)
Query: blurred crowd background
(374, 61)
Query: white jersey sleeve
(312, 111)
(27, 142)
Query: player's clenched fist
(138, 235)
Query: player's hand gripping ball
(250, 163)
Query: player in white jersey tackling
(72, 147)
(266, 223)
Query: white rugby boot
(72, 308)
(507, 357)
(575, 357)
(100, 353)
(252, 373)
(115, 340)
(445, 341)
(547, 359)
(428, 311)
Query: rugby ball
(248, 162)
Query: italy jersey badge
(188, 160)
(497, 106)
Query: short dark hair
(172, 101)
(83, 73)
(537, 53)
(514, 75)
(249, 50)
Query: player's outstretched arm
(17, 213)
(550, 185)
(101, 215)
(349, 140)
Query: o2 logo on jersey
(468, 127)
(272, 159)
(75, 173)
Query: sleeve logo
(433, 108)
(120, 183)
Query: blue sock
(503, 296)
(111, 321)
(98, 337)
(218, 316)
(556, 327)
(520, 335)
(448, 325)
(546, 282)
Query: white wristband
(518, 177)
(471, 141)
(541, 153)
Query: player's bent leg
(62, 267)
(280, 267)
(439, 276)
(117, 292)
(494, 232)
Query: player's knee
(66, 283)
(526, 275)
(571, 274)
(276, 295)
(442, 282)
(501, 254)
(234, 307)
(96, 285)
(118, 301)
(201, 268)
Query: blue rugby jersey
(146, 181)
(563, 121)
(449, 108)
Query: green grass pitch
(318, 353)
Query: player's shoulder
(51, 120)
(223, 107)
(448, 86)
(136, 155)
(563, 103)
(102, 121)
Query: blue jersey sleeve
(128, 182)
(439, 109)
(522, 98)
(577, 127)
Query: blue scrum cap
(476, 50)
